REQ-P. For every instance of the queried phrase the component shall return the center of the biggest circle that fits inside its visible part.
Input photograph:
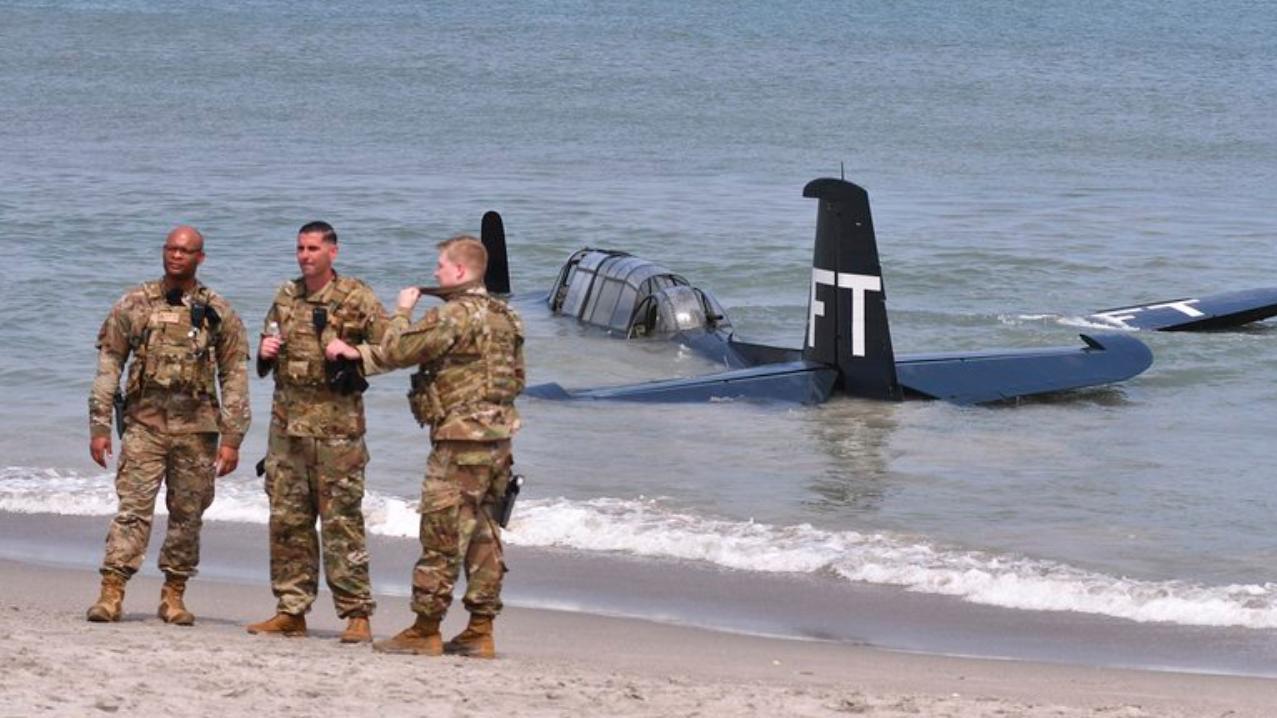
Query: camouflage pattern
(316, 458)
(184, 462)
(171, 380)
(173, 417)
(470, 356)
(470, 351)
(309, 478)
(464, 482)
(303, 404)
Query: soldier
(470, 353)
(316, 455)
(185, 340)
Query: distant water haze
(1026, 165)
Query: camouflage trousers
(464, 481)
(184, 463)
(315, 478)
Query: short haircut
(468, 251)
(324, 228)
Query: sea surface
(1027, 165)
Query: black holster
(117, 402)
(345, 376)
(505, 508)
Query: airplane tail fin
(847, 310)
(492, 233)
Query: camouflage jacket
(176, 366)
(470, 354)
(304, 405)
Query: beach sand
(53, 662)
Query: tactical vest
(175, 349)
(479, 369)
(308, 327)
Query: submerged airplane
(847, 349)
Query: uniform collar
(320, 296)
(474, 287)
(155, 289)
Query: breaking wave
(648, 527)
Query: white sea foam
(1018, 319)
(1092, 321)
(647, 527)
(1095, 322)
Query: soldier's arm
(376, 324)
(406, 343)
(520, 370)
(520, 373)
(232, 376)
(266, 363)
(113, 352)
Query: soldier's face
(183, 253)
(449, 273)
(314, 255)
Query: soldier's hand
(269, 348)
(227, 460)
(408, 297)
(100, 449)
(337, 349)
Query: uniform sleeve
(376, 324)
(520, 372)
(113, 352)
(406, 344)
(272, 316)
(232, 376)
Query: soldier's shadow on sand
(152, 619)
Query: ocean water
(1026, 165)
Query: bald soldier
(316, 456)
(470, 357)
(184, 341)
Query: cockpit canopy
(626, 294)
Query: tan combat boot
(421, 638)
(282, 624)
(172, 609)
(110, 603)
(475, 641)
(358, 630)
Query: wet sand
(700, 595)
(551, 662)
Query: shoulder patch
(431, 319)
(351, 283)
(287, 290)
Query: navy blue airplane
(1214, 311)
(847, 349)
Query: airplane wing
(981, 377)
(958, 377)
(1215, 311)
(800, 381)
(733, 353)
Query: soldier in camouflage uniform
(470, 354)
(184, 340)
(316, 456)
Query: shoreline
(550, 663)
(693, 595)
